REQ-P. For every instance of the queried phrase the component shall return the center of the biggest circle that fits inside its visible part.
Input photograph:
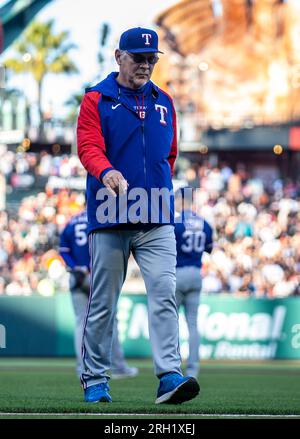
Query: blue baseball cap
(139, 40)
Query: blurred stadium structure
(234, 71)
(16, 113)
(235, 62)
(15, 16)
(232, 68)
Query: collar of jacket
(109, 87)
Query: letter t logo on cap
(147, 36)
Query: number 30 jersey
(193, 237)
(74, 247)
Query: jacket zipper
(144, 149)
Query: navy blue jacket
(111, 135)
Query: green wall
(230, 328)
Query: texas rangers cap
(139, 39)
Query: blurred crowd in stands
(29, 259)
(257, 229)
(256, 223)
(14, 164)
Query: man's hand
(115, 183)
(77, 276)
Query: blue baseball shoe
(97, 393)
(175, 389)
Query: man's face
(135, 68)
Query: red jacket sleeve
(173, 151)
(90, 141)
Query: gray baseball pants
(80, 301)
(188, 287)
(155, 252)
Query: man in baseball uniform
(127, 142)
(193, 237)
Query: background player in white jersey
(74, 250)
(193, 237)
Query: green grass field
(49, 388)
